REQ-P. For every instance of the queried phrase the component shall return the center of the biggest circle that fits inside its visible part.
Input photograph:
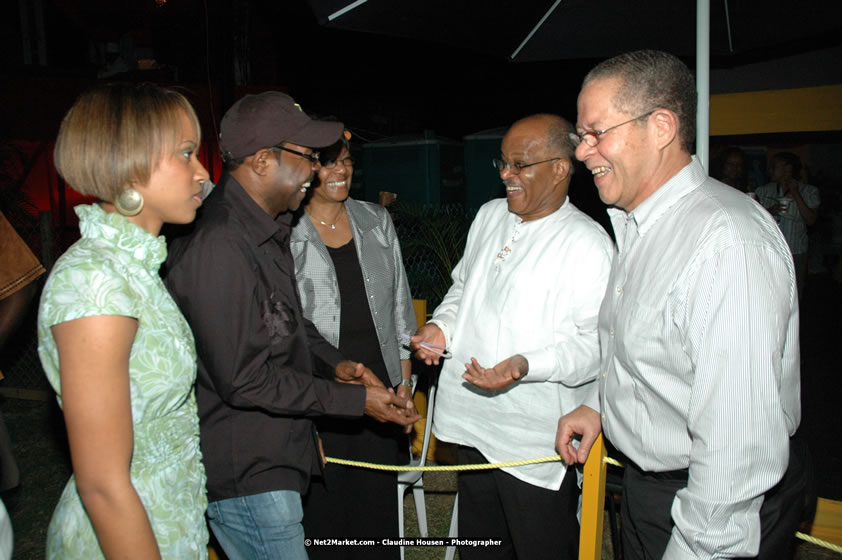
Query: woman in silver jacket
(353, 287)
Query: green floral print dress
(113, 270)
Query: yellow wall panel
(786, 110)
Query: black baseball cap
(267, 119)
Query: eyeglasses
(347, 162)
(516, 167)
(313, 158)
(591, 137)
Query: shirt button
(619, 289)
(603, 417)
(611, 332)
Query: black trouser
(648, 498)
(532, 522)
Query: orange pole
(593, 503)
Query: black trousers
(532, 522)
(647, 499)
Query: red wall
(33, 109)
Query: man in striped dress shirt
(699, 384)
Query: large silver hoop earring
(129, 202)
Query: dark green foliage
(432, 239)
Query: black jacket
(233, 278)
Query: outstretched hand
(584, 422)
(502, 375)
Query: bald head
(536, 156)
(553, 129)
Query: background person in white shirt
(794, 205)
(699, 385)
(520, 321)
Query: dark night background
(377, 84)
(450, 81)
(380, 84)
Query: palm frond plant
(432, 239)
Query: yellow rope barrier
(548, 459)
(611, 461)
(818, 542)
(477, 467)
(426, 468)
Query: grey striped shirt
(700, 356)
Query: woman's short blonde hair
(115, 136)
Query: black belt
(680, 474)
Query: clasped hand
(355, 372)
(385, 406)
(381, 403)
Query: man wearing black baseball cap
(264, 370)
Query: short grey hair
(653, 80)
(558, 136)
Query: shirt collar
(559, 212)
(258, 225)
(147, 249)
(360, 218)
(647, 214)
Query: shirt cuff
(675, 551)
(541, 365)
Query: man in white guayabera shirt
(520, 321)
(699, 379)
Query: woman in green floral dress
(115, 347)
